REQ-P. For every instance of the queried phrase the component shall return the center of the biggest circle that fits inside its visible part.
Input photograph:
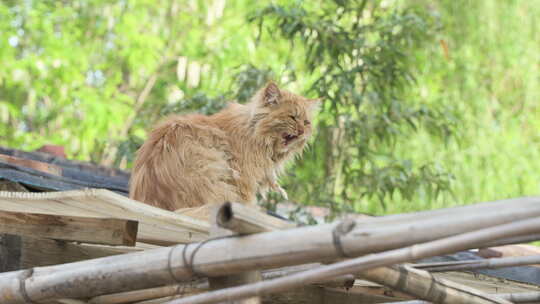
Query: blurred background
(427, 103)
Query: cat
(193, 160)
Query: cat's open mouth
(288, 138)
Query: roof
(48, 172)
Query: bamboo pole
(455, 211)
(514, 240)
(422, 285)
(159, 300)
(164, 266)
(519, 297)
(345, 281)
(224, 281)
(150, 293)
(248, 220)
(479, 264)
(357, 265)
(70, 301)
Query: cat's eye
(306, 122)
(293, 117)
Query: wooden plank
(485, 283)
(156, 226)
(70, 228)
(24, 252)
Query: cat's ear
(271, 95)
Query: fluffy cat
(193, 160)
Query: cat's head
(282, 119)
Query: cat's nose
(300, 131)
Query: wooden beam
(156, 226)
(70, 228)
(23, 252)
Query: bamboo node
(340, 230)
(188, 260)
(169, 261)
(402, 278)
(25, 274)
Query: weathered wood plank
(156, 226)
(70, 228)
(23, 252)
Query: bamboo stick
(514, 240)
(357, 265)
(467, 210)
(345, 281)
(160, 300)
(522, 297)
(150, 293)
(479, 264)
(224, 281)
(422, 285)
(519, 297)
(164, 266)
(248, 220)
(70, 301)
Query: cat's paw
(282, 192)
(263, 194)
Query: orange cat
(193, 160)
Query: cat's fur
(193, 160)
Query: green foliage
(490, 74)
(358, 53)
(397, 78)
